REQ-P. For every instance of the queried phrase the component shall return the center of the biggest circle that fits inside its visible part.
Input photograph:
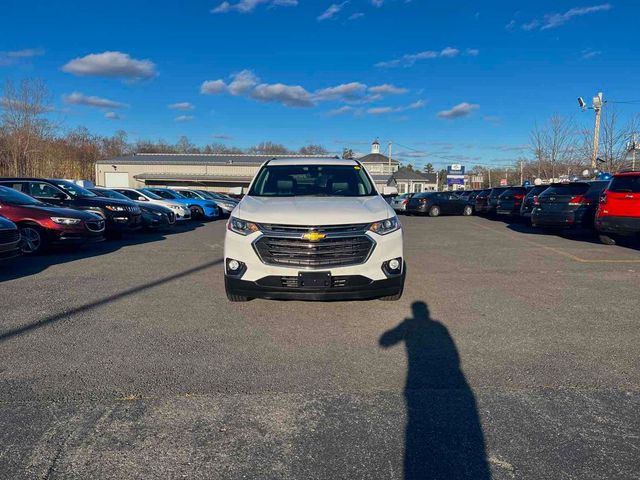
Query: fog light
(392, 267)
(234, 265)
(394, 264)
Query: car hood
(102, 201)
(63, 212)
(313, 210)
(5, 223)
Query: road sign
(503, 182)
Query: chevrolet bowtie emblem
(313, 236)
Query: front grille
(295, 230)
(9, 236)
(95, 225)
(336, 251)
(134, 209)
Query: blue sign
(455, 169)
(455, 180)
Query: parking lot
(512, 354)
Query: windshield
(9, 195)
(312, 180)
(72, 189)
(111, 194)
(152, 195)
(625, 184)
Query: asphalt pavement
(512, 354)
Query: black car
(120, 215)
(9, 239)
(481, 201)
(492, 200)
(510, 201)
(438, 203)
(565, 205)
(153, 216)
(530, 199)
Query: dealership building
(218, 172)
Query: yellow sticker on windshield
(357, 167)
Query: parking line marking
(553, 249)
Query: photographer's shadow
(444, 437)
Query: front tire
(33, 239)
(468, 211)
(434, 211)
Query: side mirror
(142, 199)
(389, 191)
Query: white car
(142, 195)
(313, 229)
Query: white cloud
(14, 56)
(181, 106)
(332, 11)
(554, 20)
(377, 3)
(341, 110)
(111, 65)
(112, 116)
(242, 82)
(388, 89)
(383, 110)
(289, 95)
(213, 87)
(221, 136)
(184, 118)
(77, 98)
(355, 16)
(589, 53)
(410, 59)
(248, 6)
(352, 91)
(463, 109)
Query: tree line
(32, 144)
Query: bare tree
(313, 150)
(269, 148)
(554, 147)
(24, 125)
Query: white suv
(313, 229)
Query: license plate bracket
(314, 279)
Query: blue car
(200, 209)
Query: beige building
(218, 172)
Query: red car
(619, 209)
(41, 224)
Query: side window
(188, 194)
(43, 190)
(21, 187)
(129, 194)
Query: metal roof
(377, 158)
(189, 177)
(406, 174)
(198, 159)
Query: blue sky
(456, 80)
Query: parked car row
(36, 213)
(611, 207)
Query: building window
(417, 187)
(402, 188)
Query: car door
(455, 204)
(45, 192)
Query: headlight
(66, 221)
(115, 208)
(176, 207)
(241, 227)
(228, 206)
(385, 226)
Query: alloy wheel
(31, 240)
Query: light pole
(597, 104)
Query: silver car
(142, 195)
(399, 202)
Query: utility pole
(521, 172)
(489, 177)
(597, 107)
(390, 172)
(633, 147)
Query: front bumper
(350, 287)
(628, 226)
(124, 223)
(10, 250)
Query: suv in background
(481, 201)
(568, 205)
(41, 224)
(119, 215)
(313, 229)
(510, 201)
(530, 199)
(492, 200)
(142, 196)
(619, 210)
(205, 209)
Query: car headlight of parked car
(384, 227)
(66, 220)
(115, 208)
(241, 226)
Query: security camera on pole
(597, 104)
